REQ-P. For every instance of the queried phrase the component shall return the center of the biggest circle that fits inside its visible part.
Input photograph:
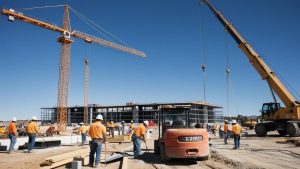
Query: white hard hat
(14, 119)
(99, 117)
(225, 120)
(233, 121)
(81, 123)
(33, 118)
(146, 122)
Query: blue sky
(169, 32)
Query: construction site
(103, 108)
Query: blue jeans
(95, 147)
(31, 142)
(226, 136)
(136, 145)
(83, 138)
(12, 142)
(236, 138)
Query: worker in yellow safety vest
(131, 127)
(236, 131)
(82, 130)
(97, 132)
(32, 130)
(111, 128)
(138, 135)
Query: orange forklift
(180, 134)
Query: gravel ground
(255, 152)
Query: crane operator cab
(270, 108)
(179, 136)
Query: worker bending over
(12, 134)
(137, 136)
(32, 130)
(226, 131)
(97, 132)
(82, 130)
(236, 131)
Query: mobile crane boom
(280, 117)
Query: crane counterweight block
(63, 39)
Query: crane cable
(96, 27)
(227, 70)
(41, 7)
(203, 66)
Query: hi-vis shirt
(140, 131)
(236, 129)
(32, 128)
(97, 130)
(82, 129)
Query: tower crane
(286, 120)
(64, 67)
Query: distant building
(203, 112)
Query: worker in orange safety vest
(138, 135)
(226, 131)
(82, 130)
(97, 132)
(236, 131)
(12, 134)
(33, 131)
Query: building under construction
(201, 112)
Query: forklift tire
(156, 147)
(293, 129)
(163, 156)
(260, 130)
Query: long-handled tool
(43, 139)
(105, 153)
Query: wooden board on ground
(119, 139)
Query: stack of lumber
(62, 159)
(119, 139)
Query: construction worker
(236, 131)
(82, 130)
(12, 134)
(32, 130)
(121, 128)
(97, 132)
(111, 127)
(226, 132)
(137, 136)
(131, 127)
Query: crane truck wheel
(260, 130)
(293, 129)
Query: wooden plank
(67, 155)
(59, 163)
(124, 163)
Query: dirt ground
(255, 152)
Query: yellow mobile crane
(286, 120)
